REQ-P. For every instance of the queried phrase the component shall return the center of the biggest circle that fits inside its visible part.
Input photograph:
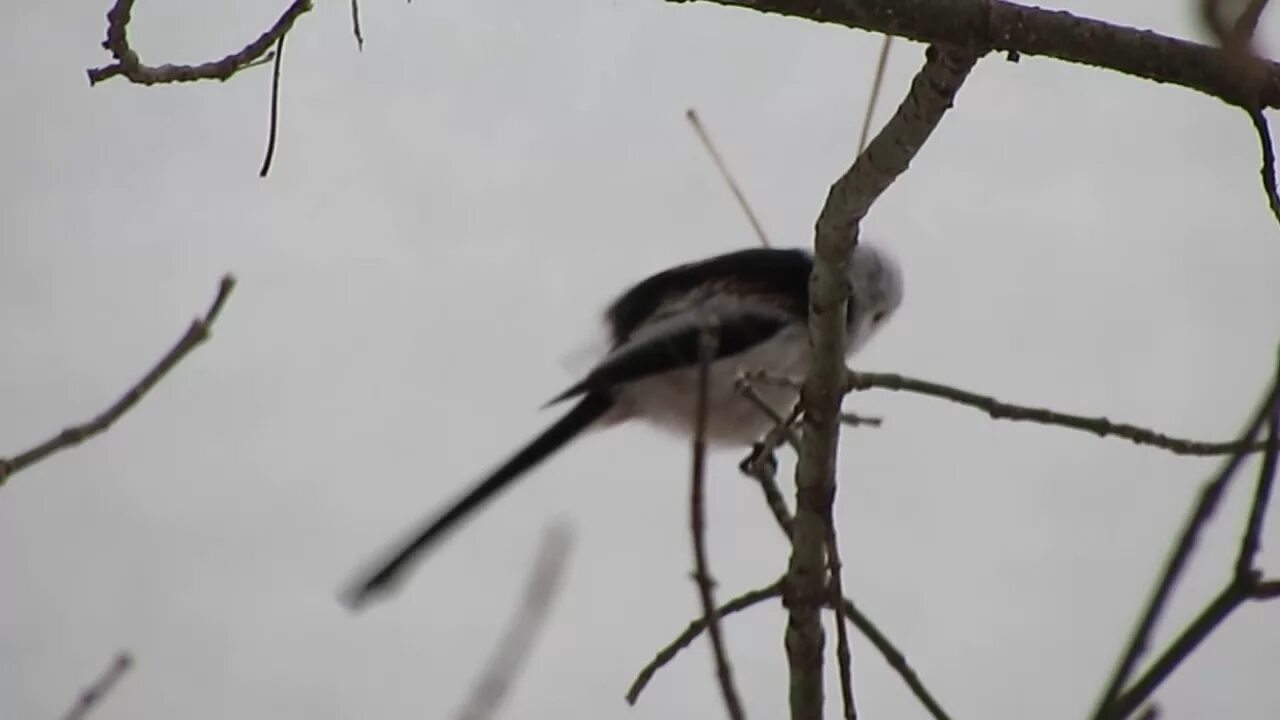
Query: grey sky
(449, 212)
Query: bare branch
(893, 656)
(510, 654)
(692, 116)
(92, 695)
(128, 64)
(1112, 705)
(998, 410)
(697, 522)
(691, 633)
(1009, 27)
(932, 93)
(76, 434)
(275, 109)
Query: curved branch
(129, 65)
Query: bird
(755, 302)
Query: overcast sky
(449, 212)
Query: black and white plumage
(756, 301)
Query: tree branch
(130, 66)
(76, 434)
(888, 155)
(697, 524)
(1008, 27)
(691, 633)
(1114, 705)
(998, 410)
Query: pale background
(448, 213)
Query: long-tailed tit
(755, 301)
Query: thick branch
(850, 198)
(129, 65)
(76, 434)
(1005, 26)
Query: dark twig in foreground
(275, 109)
(128, 64)
(1268, 170)
(932, 93)
(692, 116)
(195, 335)
(1116, 702)
(1100, 426)
(691, 633)
(355, 24)
(510, 654)
(92, 695)
(697, 523)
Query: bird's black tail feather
(587, 411)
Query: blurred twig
(92, 695)
(697, 522)
(76, 434)
(692, 116)
(1117, 702)
(510, 654)
(128, 65)
(876, 82)
(355, 24)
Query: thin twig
(1200, 515)
(876, 82)
(355, 24)
(128, 64)
(697, 523)
(511, 652)
(894, 657)
(275, 109)
(1268, 171)
(691, 633)
(92, 695)
(782, 426)
(998, 410)
(844, 655)
(76, 434)
(692, 116)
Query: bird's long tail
(588, 410)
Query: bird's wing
(675, 341)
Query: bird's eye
(878, 317)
